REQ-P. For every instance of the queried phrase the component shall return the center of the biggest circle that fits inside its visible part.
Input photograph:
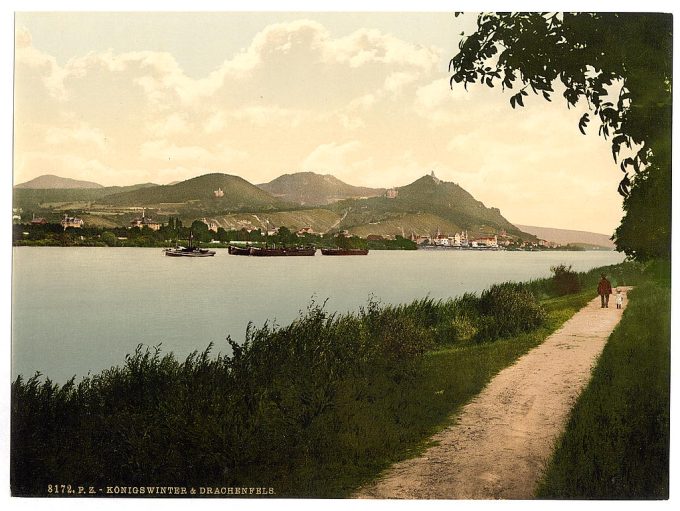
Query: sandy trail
(500, 442)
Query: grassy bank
(616, 444)
(314, 408)
(396, 423)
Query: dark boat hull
(344, 251)
(189, 253)
(281, 252)
(239, 250)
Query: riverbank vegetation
(616, 444)
(314, 408)
(54, 235)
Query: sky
(124, 98)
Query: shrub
(565, 280)
(109, 239)
(508, 309)
(459, 329)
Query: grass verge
(616, 443)
(448, 379)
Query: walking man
(604, 289)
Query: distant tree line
(54, 234)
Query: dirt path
(338, 222)
(499, 443)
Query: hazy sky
(136, 97)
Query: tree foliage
(621, 65)
(200, 231)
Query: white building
(143, 221)
(303, 231)
(212, 225)
(486, 241)
(72, 221)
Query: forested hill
(442, 202)
(423, 207)
(310, 189)
(50, 181)
(234, 193)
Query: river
(80, 310)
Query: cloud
(270, 115)
(330, 157)
(433, 95)
(79, 134)
(286, 38)
(370, 46)
(363, 47)
(439, 103)
(396, 82)
(165, 151)
(215, 123)
(364, 102)
(351, 122)
(157, 73)
(23, 38)
(174, 124)
(30, 61)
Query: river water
(76, 310)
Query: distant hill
(311, 189)
(36, 199)
(198, 195)
(567, 236)
(423, 206)
(49, 181)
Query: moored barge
(282, 251)
(344, 251)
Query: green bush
(109, 239)
(457, 330)
(508, 309)
(565, 280)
